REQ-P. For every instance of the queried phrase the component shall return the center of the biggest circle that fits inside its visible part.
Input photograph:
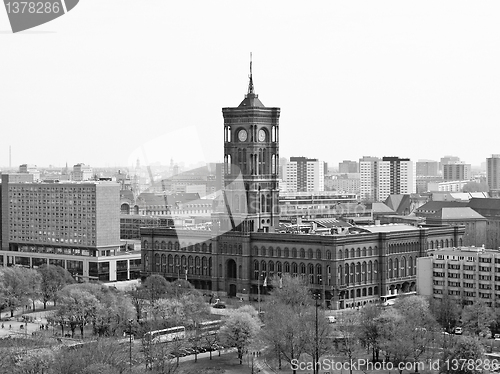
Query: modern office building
(387, 176)
(302, 174)
(493, 174)
(243, 248)
(82, 172)
(74, 225)
(457, 171)
(466, 274)
(30, 169)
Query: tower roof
(251, 99)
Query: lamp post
(316, 296)
(130, 342)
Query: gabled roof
(433, 206)
(399, 203)
(480, 203)
(381, 208)
(456, 213)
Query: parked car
(458, 331)
(496, 336)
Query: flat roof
(391, 227)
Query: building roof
(148, 198)
(481, 203)
(432, 207)
(381, 208)
(251, 101)
(456, 213)
(392, 227)
(331, 222)
(401, 204)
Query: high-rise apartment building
(380, 178)
(493, 173)
(427, 168)
(457, 171)
(348, 166)
(447, 160)
(302, 174)
(73, 225)
(82, 172)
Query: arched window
(370, 271)
(302, 253)
(271, 268)
(363, 271)
(363, 253)
(170, 246)
(358, 252)
(310, 253)
(262, 251)
(286, 268)
(346, 253)
(163, 263)
(163, 244)
(318, 254)
(286, 253)
(294, 252)
(403, 267)
(256, 270)
(145, 244)
(157, 244)
(294, 269)
(279, 268)
(346, 274)
(271, 252)
(391, 273)
(302, 269)
(255, 251)
(319, 279)
(352, 252)
(358, 272)
(157, 263)
(396, 268)
(352, 273)
(176, 246)
(278, 252)
(197, 264)
(375, 270)
(310, 272)
(263, 267)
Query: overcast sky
(117, 80)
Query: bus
(389, 300)
(166, 335)
(209, 327)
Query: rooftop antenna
(250, 83)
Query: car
(496, 336)
(219, 306)
(458, 331)
(445, 333)
(332, 319)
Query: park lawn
(225, 364)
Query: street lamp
(130, 342)
(316, 297)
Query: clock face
(262, 135)
(242, 135)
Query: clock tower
(251, 164)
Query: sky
(114, 81)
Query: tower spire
(250, 83)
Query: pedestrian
(10, 327)
(2, 325)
